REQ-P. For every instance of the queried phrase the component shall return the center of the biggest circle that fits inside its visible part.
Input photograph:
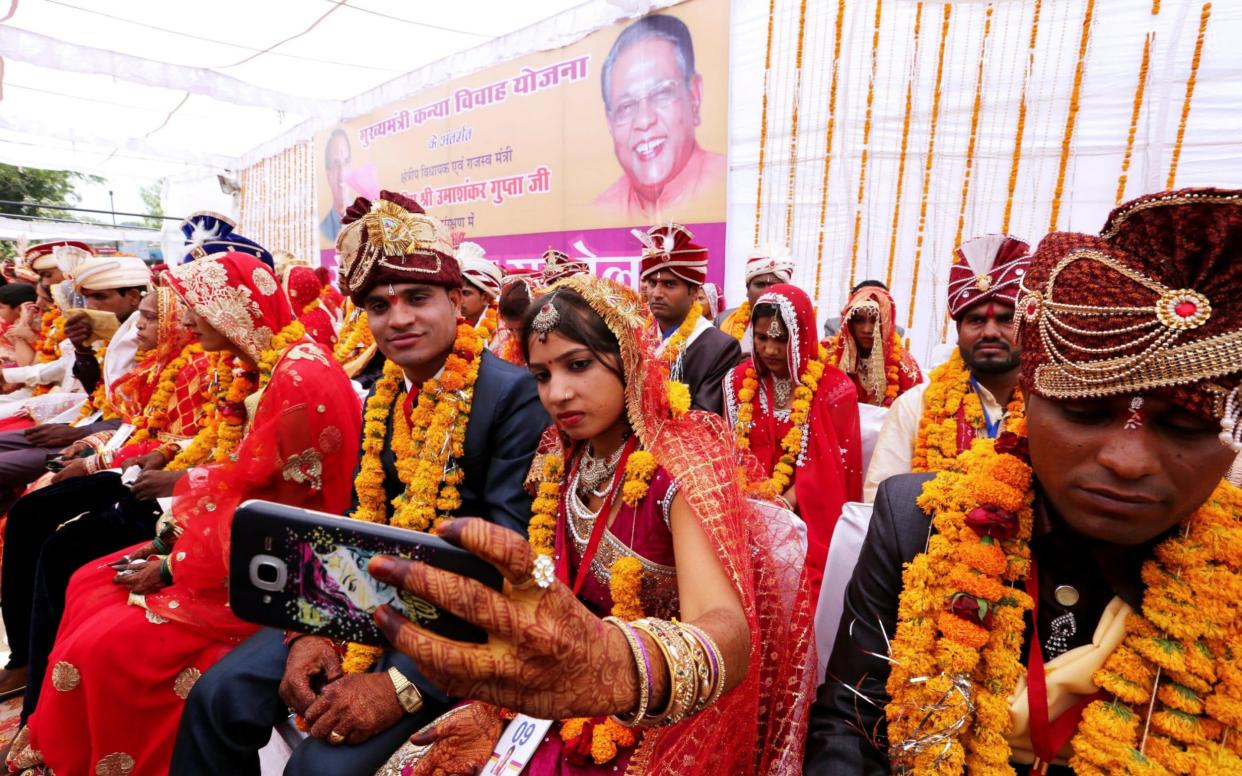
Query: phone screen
(331, 584)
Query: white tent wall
(873, 224)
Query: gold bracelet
(715, 657)
(682, 679)
(702, 667)
(643, 662)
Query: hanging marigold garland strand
(905, 143)
(1204, 16)
(1071, 116)
(866, 142)
(828, 132)
(1139, 90)
(793, 126)
(927, 165)
(1020, 131)
(763, 118)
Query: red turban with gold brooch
(393, 240)
(1150, 305)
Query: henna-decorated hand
(154, 460)
(547, 655)
(356, 706)
(461, 741)
(312, 659)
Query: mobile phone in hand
(302, 570)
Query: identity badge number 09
(516, 746)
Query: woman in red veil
(798, 418)
(650, 613)
(131, 645)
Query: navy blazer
(506, 421)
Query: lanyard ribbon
(1047, 738)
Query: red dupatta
(758, 727)
(300, 448)
(829, 471)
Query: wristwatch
(407, 693)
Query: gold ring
(335, 738)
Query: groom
(411, 292)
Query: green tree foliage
(30, 186)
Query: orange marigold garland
(960, 619)
(154, 417)
(677, 342)
(949, 390)
(735, 325)
(355, 335)
(1175, 681)
(430, 478)
(791, 445)
(215, 394)
(47, 345)
(488, 324)
(1183, 648)
(599, 737)
(98, 400)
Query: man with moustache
(698, 354)
(398, 266)
(1098, 537)
(652, 97)
(983, 287)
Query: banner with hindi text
(570, 148)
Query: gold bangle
(715, 657)
(702, 667)
(643, 662)
(682, 678)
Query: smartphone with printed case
(301, 570)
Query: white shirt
(894, 449)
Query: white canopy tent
(871, 136)
(165, 88)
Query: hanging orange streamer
(862, 162)
(1190, 93)
(793, 127)
(905, 138)
(975, 110)
(1021, 128)
(1139, 91)
(1071, 118)
(763, 118)
(927, 165)
(832, 122)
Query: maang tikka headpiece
(546, 320)
(775, 330)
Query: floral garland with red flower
(425, 466)
(782, 475)
(600, 738)
(950, 391)
(677, 342)
(956, 655)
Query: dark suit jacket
(704, 366)
(506, 420)
(836, 743)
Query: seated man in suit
(698, 354)
(361, 704)
(1065, 597)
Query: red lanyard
(1047, 739)
(601, 522)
